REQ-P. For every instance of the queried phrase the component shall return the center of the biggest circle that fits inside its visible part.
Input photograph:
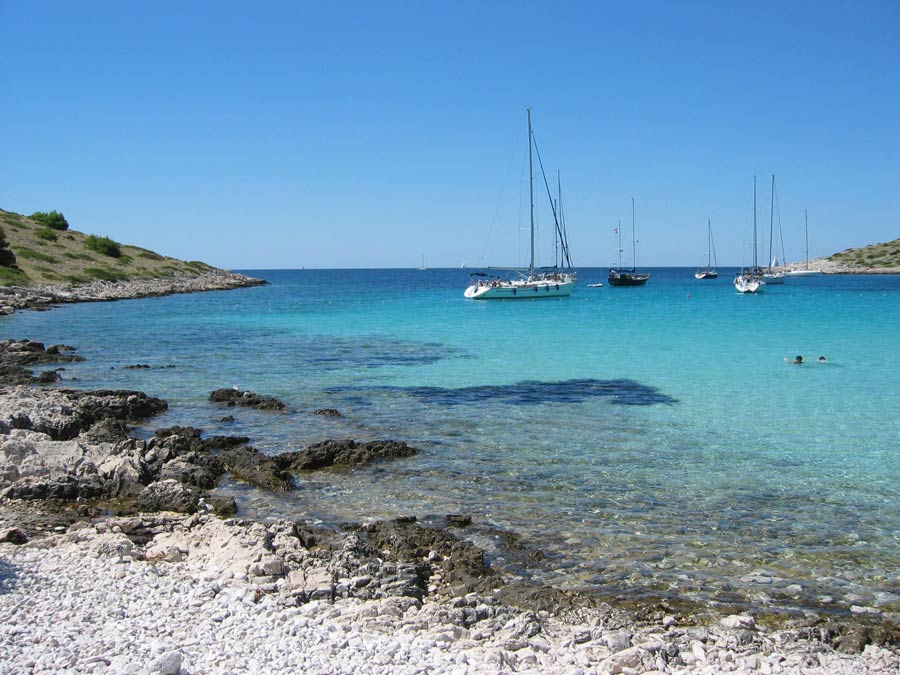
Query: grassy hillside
(876, 255)
(66, 256)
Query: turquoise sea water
(652, 442)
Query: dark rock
(168, 495)
(251, 466)
(47, 377)
(191, 469)
(328, 412)
(14, 536)
(463, 565)
(189, 433)
(246, 399)
(137, 366)
(540, 598)
(107, 430)
(57, 488)
(221, 505)
(18, 356)
(342, 453)
(121, 404)
(455, 520)
(188, 439)
(227, 418)
(36, 518)
(854, 639)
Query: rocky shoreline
(44, 296)
(117, 555)
(827, 266)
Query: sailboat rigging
(554, 282)
(620, 276)
(805, 272)
(751, 281)
(771, 275)
(710, 271)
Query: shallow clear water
(651, 441)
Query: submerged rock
(343, 453)
(327, 412)
(252, 466)
(18, 356)
(246, 399)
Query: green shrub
(78, 256)
(31, 254)
(46, 234)
(54, 220)
(104, 274)
(7, 257)
(47, 272)
(12, 276)
(103, 245)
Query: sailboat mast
(619, 235)
(531, 195)
(806, 235)
(754, 222)
(708, 242)
(633, 247)
(557, 232)
(771, 221)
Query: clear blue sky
(366, 134)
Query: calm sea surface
(650, 441)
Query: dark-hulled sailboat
(621, 276)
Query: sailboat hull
(530, 289)
(706, 274)
(773, 278)
(622, 278)
(748, 284)
(804, 273)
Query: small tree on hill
(54, 220)
(103, 245)
(7, 257)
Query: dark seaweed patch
(330, 353)
(534, 392)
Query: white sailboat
(750, 280)
(772, 275)
(710, 271)
(556, 282)
(423, 268)
(805, 272)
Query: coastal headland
(119, 555)
(42, 265)
(881, 258)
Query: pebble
(80, 608)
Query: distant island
(873, 259)
(43, 262)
